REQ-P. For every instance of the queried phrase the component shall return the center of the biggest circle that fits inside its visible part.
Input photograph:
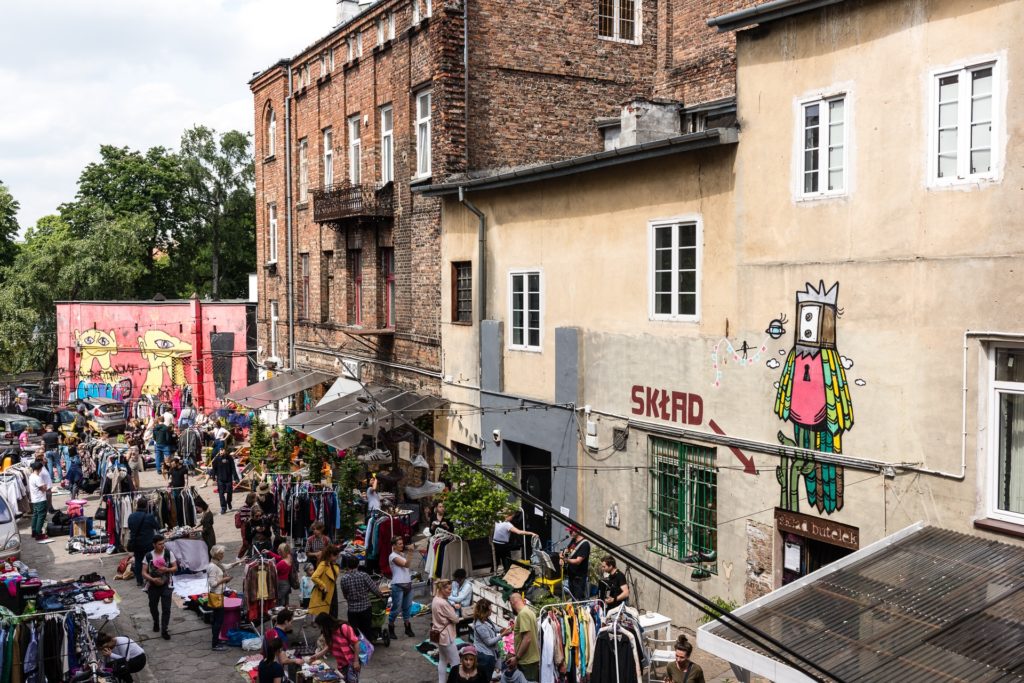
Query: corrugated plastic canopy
(927, 605)
(281, 385)
(343, 422)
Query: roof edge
(590, 162)
(766, 12)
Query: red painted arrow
(748, 462)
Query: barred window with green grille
(684, 502)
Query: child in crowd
(306, 586)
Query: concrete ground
(187, 657)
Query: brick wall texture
(538, 77)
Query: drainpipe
(465, 82)
(481, 255)
(289, 269)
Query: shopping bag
(365, 650)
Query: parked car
(106, 414)
(10, 537)
(11, 427)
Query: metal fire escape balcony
(353, 203)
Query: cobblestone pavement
(187, 656)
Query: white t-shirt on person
(502, 532)
(126, 648)
(35, 481)
(399, 574)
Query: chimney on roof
(645, 120)
(349, 9)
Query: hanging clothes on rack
(259, 586)
(619, 653)
(568, 635)
(446, 552)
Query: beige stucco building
(749, 350)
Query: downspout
(288, 220)
(465, 83)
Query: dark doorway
(813, 555)
(535, 479)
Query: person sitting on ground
(280, 629)
(270, 669)
(124, 655)
(467, 671)
(510, 673)
(682, 670)
(462, 592)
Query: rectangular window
(328, 158)
(387, 268)
(303, 169)
(415, 12)
(323, 64)
(350, 43)
(380, 30)
(271, 233)
(1006, 500)
(429, 6)
(332, 59)
(423, 134)
(273, 328)
(675, 270)
(965, 118)
(462, 292)
(359, 44)
(525, 310)
(684, 502)
(391, 25)
(824, 147)
(354, 150)
(355, 287)
(326, 284)
(303, 312)
(387, 145)
(618, 19)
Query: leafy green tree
(8, 225)
(474, 504)
(221, 242)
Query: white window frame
(350, 42)
(271, 132)
(391, 25)
(305, 74)
(328, 157)
(332, 59)
(652, 226)
(323, 64)
(359, 44)
(387, 145)
(380, 30)
(303, 169)
(429, 7)
(274, 318)
(355, 150)
(616, 15)
(997, 388)
(825, 143)
(997, 138)
(422, 134)
(526, 346)
(272, 233)
(415, 12)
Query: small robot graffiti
(164, 353)
(96, 346)
(777, 328)
(740, 355)
(814, 395)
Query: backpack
(238, 520)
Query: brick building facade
(361, 104)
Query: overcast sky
(76, 74)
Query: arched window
(271, 132)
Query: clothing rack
(463, 546)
